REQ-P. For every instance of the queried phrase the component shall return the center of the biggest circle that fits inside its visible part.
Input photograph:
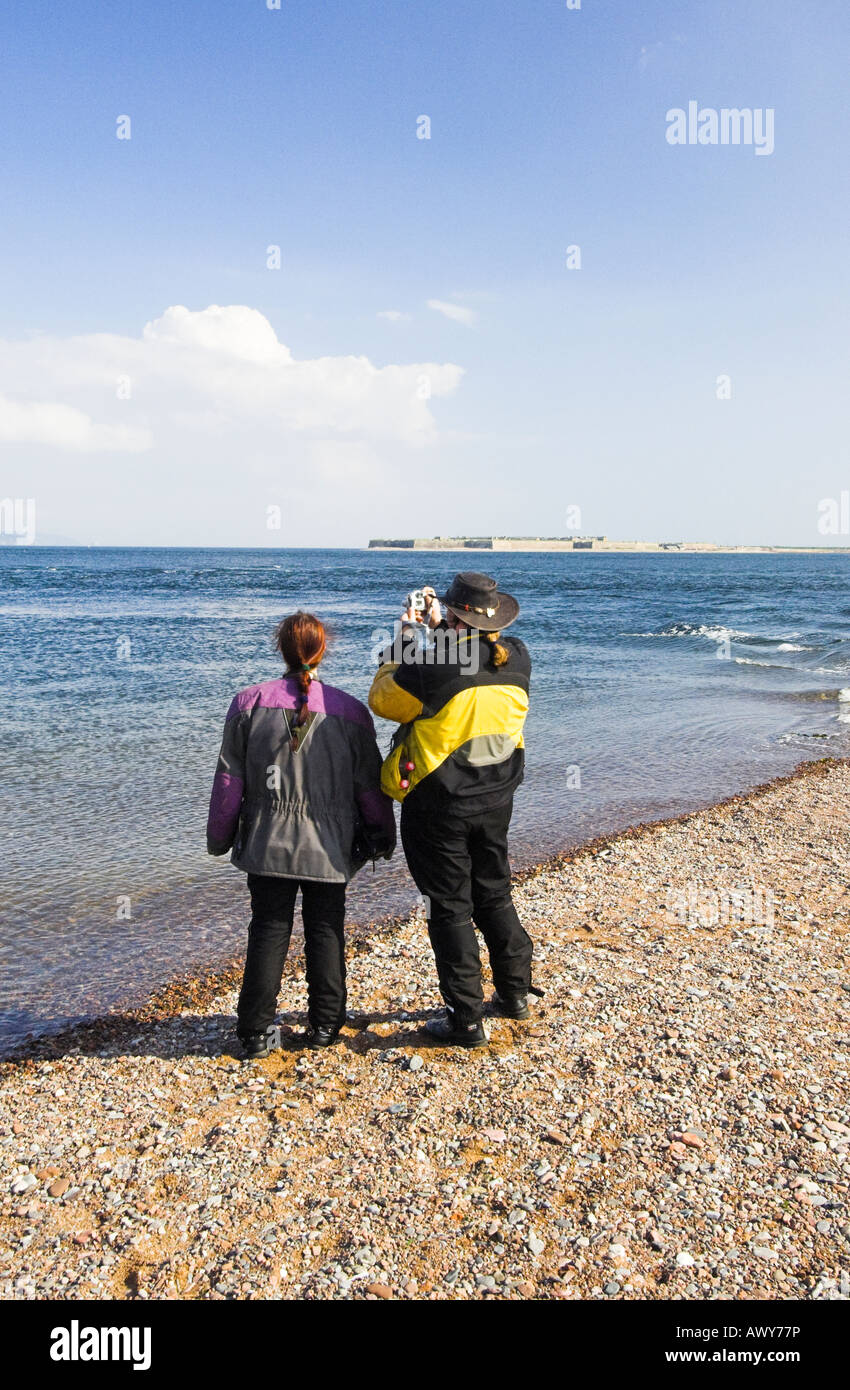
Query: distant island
(594, 543)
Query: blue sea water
(660, 683)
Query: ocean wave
(774, 665)
(719, 632)
(712, 632)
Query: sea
(661, 683)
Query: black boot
(255, 1045)
(319, 1037)
(511, 1005)
(514, 1005)
(450, 1033)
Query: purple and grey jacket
(293, 815)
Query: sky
(324, 291)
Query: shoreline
(671, 1123)
(197, 989)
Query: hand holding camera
(423, 606)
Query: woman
(298, 782)
(456, 763)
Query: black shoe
(514, 1005)
(319, 1037)
(256, 1045)
(453, 1034)
(511, 1005)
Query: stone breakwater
(672, 1122)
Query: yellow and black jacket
(461, 725)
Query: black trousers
(273, 909)
(461, 864)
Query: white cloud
(457, 312)
(393, 315)
(229, 420)
(64, 427)
(233, 331)
(217, 368)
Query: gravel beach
(671, 1123)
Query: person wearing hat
(455, 763)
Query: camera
(417, 601)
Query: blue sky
(549, 387)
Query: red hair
(301, 640)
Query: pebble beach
(671, 1123)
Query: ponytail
(304, 679)
(498, 653)
(301, 641)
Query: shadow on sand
(214, 1036)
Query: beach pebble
(586, 1153)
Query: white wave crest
(711, 632)
(774, 665)
(719, 632)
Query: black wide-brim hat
(475, 599)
